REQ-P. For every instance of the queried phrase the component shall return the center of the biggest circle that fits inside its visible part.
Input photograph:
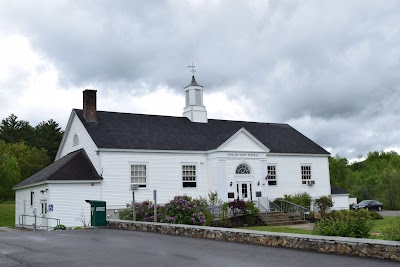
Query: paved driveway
(385, 213)
(107, 247)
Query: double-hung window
(305, 173)
(189, 175)
(271, 174)
(139, 174)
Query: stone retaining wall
(340, 245)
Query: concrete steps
(278, 218)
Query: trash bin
(97, 212)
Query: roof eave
(65, 134)
(58, 182)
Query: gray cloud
(330, 68)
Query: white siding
(24, 194)
(340, 202)
(69, 204)
(220, 175)
(288, 171)
(241, 142)
(222, 167)
(164, 174)
(85, 141)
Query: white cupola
(194, 109)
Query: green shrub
(213, 199)
(345, 223)
(60, 227)
(251, 208)
(209, 217)
(324, 203)
(252, 212)
(392, 232)
(302, 199)
(375, 215)
(225, 222)
(125, 214)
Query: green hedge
(345, 223)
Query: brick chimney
(89, 105)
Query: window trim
(305, 176)
(141, 185)
(275, 175)
(248, 167)
(183, 164)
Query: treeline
(377, 177)
(24, 150)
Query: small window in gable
(243, 169)
(75, 141)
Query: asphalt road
(106, 247)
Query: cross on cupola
(194, 109)
(193, 82)
(193, 68)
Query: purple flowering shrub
(144, 211)
(180, 210)
(184, 210)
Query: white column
(222, 183)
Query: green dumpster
(97, 212)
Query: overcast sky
(330, 69)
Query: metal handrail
(262, 214)
(273, 206)
(293, 208)
(216, 211)
(36, 217)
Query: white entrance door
(245, 190)
(43, 213)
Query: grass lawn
(379, 225)
(7, 214)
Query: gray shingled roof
(74, 166)
(193, 83)
(336, 190)
(138, 131)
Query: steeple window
(198, 97)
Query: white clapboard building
(102, 154)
